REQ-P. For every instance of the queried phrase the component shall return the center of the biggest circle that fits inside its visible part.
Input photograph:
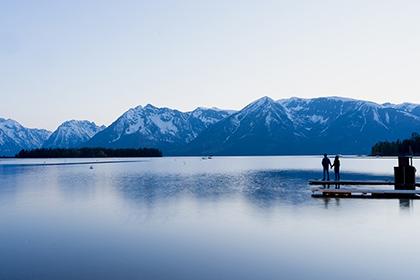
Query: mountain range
(163, 128)
(264, 127)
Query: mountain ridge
(266, 126)
(15, 137)
(72, 134)
(150, 126)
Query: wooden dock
(328, 189)
(404, 185)
(354, 183)
(364, 193)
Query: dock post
(405, 174)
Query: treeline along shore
(88, 153)
(400, 147)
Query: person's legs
(323, 174)
(337, 178)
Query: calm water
(189, 218)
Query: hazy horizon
(94, 60)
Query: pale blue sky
(94, 60)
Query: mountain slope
(306, 126)
(72, 134)
(340, 125)
(259, 129)
(264, 127)
(161, 128)
(14, 137)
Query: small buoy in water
(91, 167)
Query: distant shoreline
(88, 153)
(213, 156)
(73, 163)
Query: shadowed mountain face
(259, 129)
(306, 126)
(264, 127)
(337, 125)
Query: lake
(195, 218)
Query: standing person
(336, 166)
(326, 163)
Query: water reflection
(328, 202)
(264, 189)
(261, 188)
(239, 218)
(405, 204)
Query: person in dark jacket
(326, 163)
(336, 166)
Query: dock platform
(354, 183)
(364, 193)
(404, 185)
(328, 189)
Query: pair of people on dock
(326, 164)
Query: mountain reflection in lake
(190, 218)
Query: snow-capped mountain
(306, 126)
(341, 125)
(72, 134)
(14, 137)
(150, 126)
(264, 127)
(260, 128)
(201, 118)
(406, 107)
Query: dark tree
(89, 153)
(405, 147)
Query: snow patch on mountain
(164, 123)
(407, 107)
(317, 119)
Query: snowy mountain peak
(9, 124)
(262, 101)
(292, 99)
(407, 107)
(151, 107)
(201, 118)
(338, 98)
(151, 126)
(14, 137)
(201, 108)
(78, 124)
(263, 114)
(295, 99)
(73, 133)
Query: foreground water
(194, 218)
